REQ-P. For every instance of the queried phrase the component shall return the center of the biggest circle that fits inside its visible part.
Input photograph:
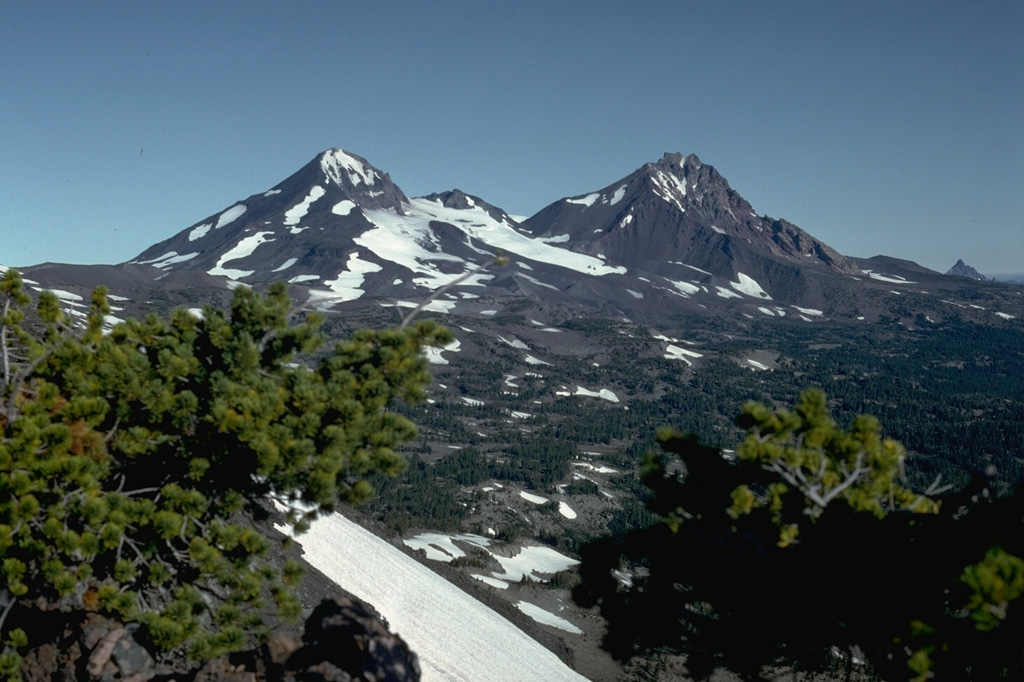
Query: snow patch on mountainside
(408, 241)
(604, 393)
(429, 612)
(230, 216)
(336, 162)
(347, 285)
(478, 224)
(242, 249)
(169, 259)
(530, 497)
(670, 188)
(297, 212)
(617, 196)
(892, 279)
(587, 201)
(199, 232)
(547, 618)
(343, 207)
(674, 352)
(747, 285)
(433, 354)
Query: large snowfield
(457, 638)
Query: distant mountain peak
(964, 270)
(344, 175)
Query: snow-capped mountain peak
(338, 164)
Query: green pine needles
(809, 548)
(133, 459)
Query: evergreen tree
(809, 542)
(134, 459)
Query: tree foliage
(807, 542)
(133, 459)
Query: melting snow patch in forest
(442, 547)
(530, 497)
(673, 352)
(530, 360)
(532, 562)
(1005, 316)
(604, 393)
(754, 364)
(601, 469)
(472, 401)
(434, 306)
(433, 353)
(493, 582)
(547, 618)
(566, 511)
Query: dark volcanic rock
(964, 270)
(344, 641)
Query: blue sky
(878, 127)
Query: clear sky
(890, 127)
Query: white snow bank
(604, 394)
(242, 249)
(433, 354)
(892, 279)
(566, 511)
(531, 562)
(547, 618)
(198, 232)
(297, 212)
(442, 547)
(585, 201)
(747, 285)
(429, 612)
(343, 207)
(230, 216)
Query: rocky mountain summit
(670, 240)
(964, 270)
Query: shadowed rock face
(343, 640)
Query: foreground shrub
(134, 459)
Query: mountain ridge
(669, 240)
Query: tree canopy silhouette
(807, 545)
